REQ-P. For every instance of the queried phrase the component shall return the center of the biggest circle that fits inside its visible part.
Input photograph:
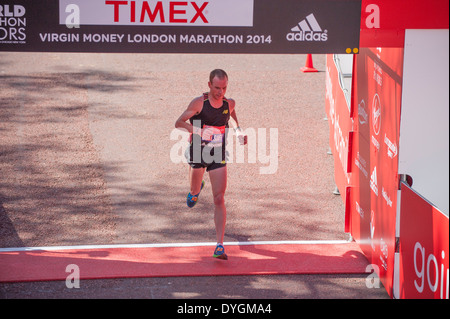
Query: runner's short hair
(221, 74)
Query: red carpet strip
(133, 262)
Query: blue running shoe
(191, 200)
(219, 253)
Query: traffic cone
(309, 65)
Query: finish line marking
(176, 245)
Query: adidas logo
(373, 181)
(308, 30)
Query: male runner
(208, 117)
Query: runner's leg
(195, 178)
(218, 179)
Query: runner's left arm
(235, 123)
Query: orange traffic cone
(309, 65)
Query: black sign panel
(168, 26)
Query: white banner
(227, 13)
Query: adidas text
(307, 36)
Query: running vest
(216, 117)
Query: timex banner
(168, 26)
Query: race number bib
(213, 136)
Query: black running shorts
(206, 157)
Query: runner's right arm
(195, 107)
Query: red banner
(383, 22)
(373, 196)
(423, 248)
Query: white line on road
(175, 245)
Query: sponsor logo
(359, 210)
(376, 120)
(386, 197)
(376, 114)
(308, 30)
(230, 13)
(363, 117)
(361, 163)
(13, 24)
(384, 249)
(341, 145)
(373, 181)
(392, 147)
(372, 229)
(176, 12)
(375, 142)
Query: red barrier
(423, 248)
(340, 128)
(377, 92)
(371, 179)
